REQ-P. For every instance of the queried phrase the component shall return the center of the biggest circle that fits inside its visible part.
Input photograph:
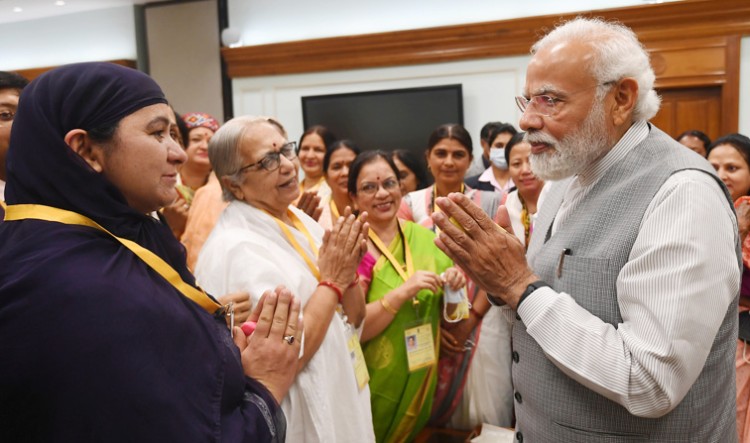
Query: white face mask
(497, 158)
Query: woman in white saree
(262, 241)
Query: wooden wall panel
(691, 108)
(685, 68)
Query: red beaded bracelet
(335, 289)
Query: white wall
(105, 34)
(489, 88)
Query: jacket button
(518, 397)
(518, 317)
(515, 356)
(519, 437)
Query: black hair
(491, 127)
(363, 159)
(182, 127)
(697, 134)
(452, 131)
(322, 131)
(738, 141)
(517, 137)
(12, 80)
(505, 128)
(335, 146)
(411, 161)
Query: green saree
(402, 401)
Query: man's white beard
(574, 152)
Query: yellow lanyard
(435, 207)
(311, 263)
(48, 213)
(334, 211)
(389, 256)
(3, 205)
(313, 187)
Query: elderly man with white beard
(625, 309)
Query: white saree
(247, 251)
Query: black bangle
(529, 289)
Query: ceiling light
(59, 3)
(17, 9)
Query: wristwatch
(531, 288)
(497, 301)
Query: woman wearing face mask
(496, 177)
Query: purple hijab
(95, 346)
(42, 169)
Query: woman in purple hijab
(104, 335)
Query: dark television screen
(391, 119)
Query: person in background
(194, 173)
(11, 85)
(496, 177)
(201, 218)
(696, 141)
(132, 349)
(401, 275)
(448, 157)
(175, 215)
(523, 203)
(730, 156)
(336, 163)
(481, 163)
(262, 240)
(206, 209)
(625, 303)
(311, 150)
(411, 174)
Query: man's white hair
(618, 54)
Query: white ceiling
(35, 9)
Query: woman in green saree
(403, 275)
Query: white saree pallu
(247, 251)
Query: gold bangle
(387, 306)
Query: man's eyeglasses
(370, 189)
(544, 104)
(272, 160)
